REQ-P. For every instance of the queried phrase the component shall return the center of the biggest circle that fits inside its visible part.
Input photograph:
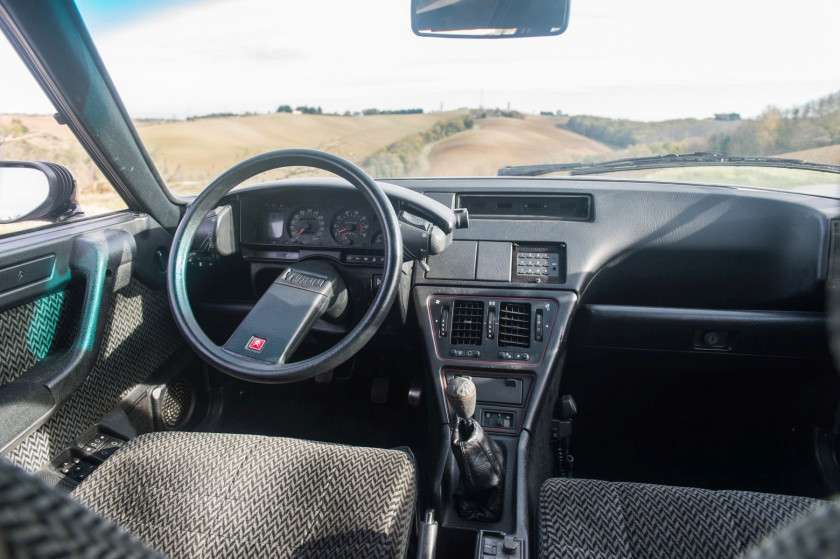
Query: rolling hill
(193, 152)
(496, 142)
(826, 154)
(189, 154)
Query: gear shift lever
(480, 460)
(460, 393)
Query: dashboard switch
(444, 321)
(491, 323)
(497, 419)
(538, 325)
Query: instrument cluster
(344, 221)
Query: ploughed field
(190, 153)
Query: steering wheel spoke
(283, 316)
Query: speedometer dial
(350, 227)
(307, 227)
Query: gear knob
(460, 393)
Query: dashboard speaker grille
(515, 325)
(467, 322)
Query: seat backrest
(38, 521)
(813, 536)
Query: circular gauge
(378, 239)
(307, 226)
(350, 227)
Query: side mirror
(36, 190)
(489, 19)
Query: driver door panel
(75, 342)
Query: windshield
(211, 83)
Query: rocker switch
(499, 544)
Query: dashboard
(687, 259)
(610, 241)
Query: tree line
(775, 131)
(307, 110)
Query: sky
(642, 59)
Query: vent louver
(515, 325)
(834, 255)
(467, 322)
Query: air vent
(467, 322)
(515, 325)
(834, 255)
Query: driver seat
(222, 495)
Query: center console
(496, 307)
(499, 341)
(509, 342)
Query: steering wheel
(262, 344)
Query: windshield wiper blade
(699, 159)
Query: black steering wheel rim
(258, 371)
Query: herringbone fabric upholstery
(36, 521)
(815, 536)
(139, 336)
(581, 518)
(30, 332)
(218, 495)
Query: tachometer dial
(307, 227)
(350, 227)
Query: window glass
(212, 82)
(29, 132)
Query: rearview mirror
(489, 19)
(33, 190)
